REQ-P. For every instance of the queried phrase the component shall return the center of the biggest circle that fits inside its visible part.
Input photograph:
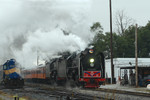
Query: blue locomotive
(11, 75)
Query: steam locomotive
(10, 75)
(85, 69)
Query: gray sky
(39, 23)
(136, 9)
(99, 10)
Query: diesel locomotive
(11, 77)
(86, 69)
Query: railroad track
(67, 94)
(80, 93)
(61, 91)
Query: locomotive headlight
(91, 60)
(92, 64)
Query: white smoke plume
(31, 26)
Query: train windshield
(91, 62)
(4, 67)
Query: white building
(124, 62)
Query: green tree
(144, 41)
(123, 45)
(97, 28)
(99, 39)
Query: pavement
(126, 88)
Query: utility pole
(136, 57)
(37, 57)
(111, 50)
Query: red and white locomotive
(92, 68)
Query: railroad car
(11, 75)
(35, 75)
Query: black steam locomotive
(85, 69)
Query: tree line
(123, 41)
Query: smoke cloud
(31, 27)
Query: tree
(128, 43)
(144, 41)
(97, 28)
(99, 39)
(124, 44)
(122, 22)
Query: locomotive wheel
(6, 84)
(53, 82)
(21, 83)
(77, 81)
(53, 78)
(58, 83)
(71, 83)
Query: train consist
(10, 75)
(85, 69)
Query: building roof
(129, 62)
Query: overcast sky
(136, 9)
(99, 9)
(38, 22)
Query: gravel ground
(31, 94)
